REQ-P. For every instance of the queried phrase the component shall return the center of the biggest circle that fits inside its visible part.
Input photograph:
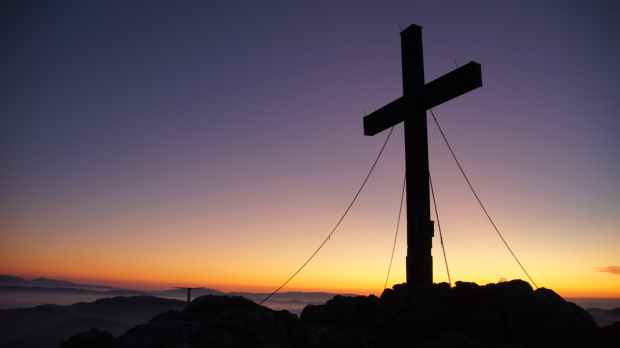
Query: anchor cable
(471, 187)
(443, 247)
(400, 210)
(333, 230)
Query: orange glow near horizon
(607, 291)
(344, 266)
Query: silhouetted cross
(189, 293)
(411, 110)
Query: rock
(610, 335)
(466, 315)
(92, 338)
(342, 321)
(218, 321)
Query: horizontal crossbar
(449, 86)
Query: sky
(216, 143)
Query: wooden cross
(189, 293)
(411, 110)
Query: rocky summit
(507, 314)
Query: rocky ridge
(507, 314)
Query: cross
(189, 293)
(411, 110)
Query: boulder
(217, 321)
(92, 338)
(507, 313)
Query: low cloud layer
(610, 269)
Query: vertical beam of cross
(419, 262)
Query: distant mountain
(126, 292)
(47, 290)
(35, 292)
(604, 317)
(319, 295)
(183, 292)
(604, 303)
(293, 301)
(50, 325)
(9, 280)
(13, 283)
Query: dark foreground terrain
(49, 325)
(508, 314)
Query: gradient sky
(216, 143)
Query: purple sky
(236, 115)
